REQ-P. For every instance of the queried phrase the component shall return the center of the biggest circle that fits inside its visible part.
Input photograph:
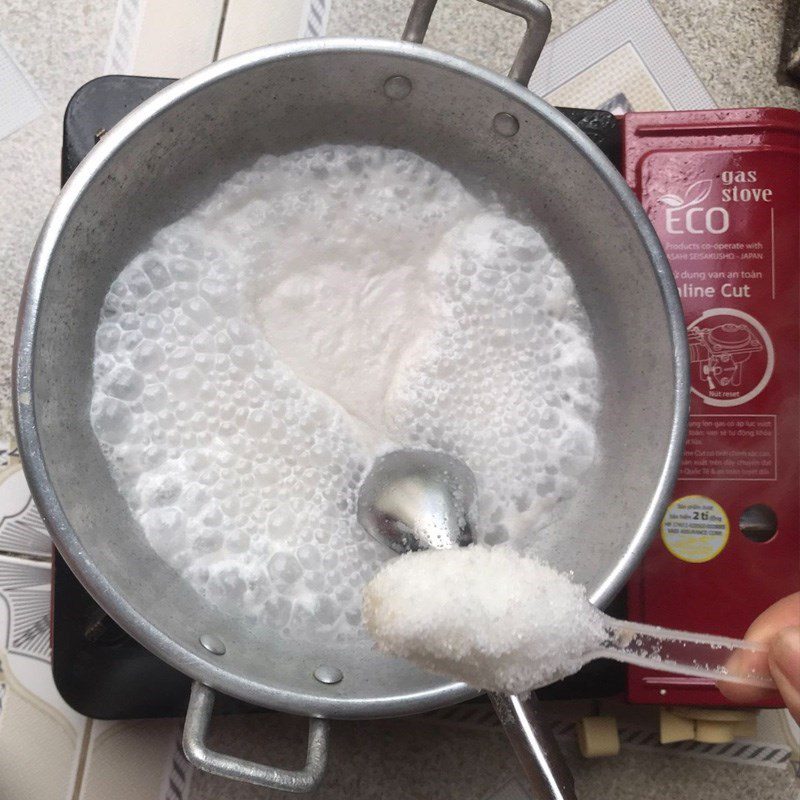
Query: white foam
(487, 616)
(318, 309)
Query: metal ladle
(415, 500)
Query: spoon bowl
(419, 499)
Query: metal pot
(154, 166)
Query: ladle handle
(536, 747)
(537, 27)
(698, 655)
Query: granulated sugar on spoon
(506, 622)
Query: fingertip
(784, 659)
(779, 616)
(785, 652)
(745, 695)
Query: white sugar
(487, 616)
(319, 309)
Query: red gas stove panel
(722, 189)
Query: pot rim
(32, 455)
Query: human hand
(779, 627)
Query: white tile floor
(733, 45)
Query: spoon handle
(699, 655)
(535, 745)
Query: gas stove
(717, 186)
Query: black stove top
(101, 671)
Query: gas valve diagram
(722, 352)
(731, 356)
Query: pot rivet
(328, 674)
(213, 644)
(397, 87)
(505, 124)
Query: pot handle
(198, 718)
(537, 20)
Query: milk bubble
(284, 568)
(111, 419)
(107, 338)
(147, 356)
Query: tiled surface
(19, 101)
(414, 760)
(732, 44)
(60, 46)
(734, 48)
